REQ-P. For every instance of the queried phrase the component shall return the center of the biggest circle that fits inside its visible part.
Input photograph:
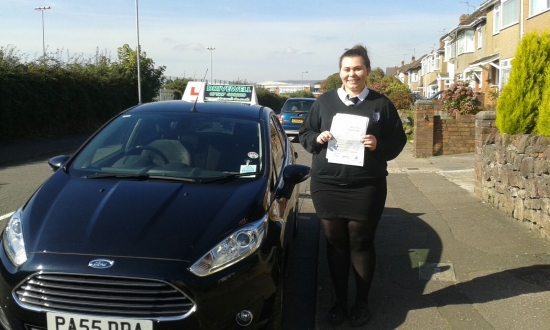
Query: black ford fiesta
(173, 215)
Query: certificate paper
(346, 147)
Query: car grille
(103, 295)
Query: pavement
(446, 259)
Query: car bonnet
(112, 217)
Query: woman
(349, 199)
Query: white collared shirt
(346, 98)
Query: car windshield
(167, 146)
(297, 105)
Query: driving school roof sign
(220, 93)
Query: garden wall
(512, 173)
(437, 134)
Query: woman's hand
(324, 137)
(369, 141)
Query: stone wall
(512, 173)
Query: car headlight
(13, 240)
(235, 247)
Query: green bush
(401, 100)
(518, 104)
(543, 121)
(178, 86)
(269, 99)
(460, 98)
(50, 96)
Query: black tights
(350, 241)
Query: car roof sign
(203, 92)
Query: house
(434, 75)
(481, 48)
(409, 74)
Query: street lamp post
(138, 54)
(210, 49)
(43, 43)
(303, 82)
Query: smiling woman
(348, 178)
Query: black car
(293, 113)
(173, 215)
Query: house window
(496, 19)
(466, 42)
(414, 76)
(436, 61)
(504, 74)
(510, 12)
(480, 37)
(538, 6)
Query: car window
(277, 147)
(297, 105)
(177, 145)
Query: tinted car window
(277, 148)
(184, 145)
(297, 105)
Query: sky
(253, 40)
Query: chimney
(462, 18)
(412, 59)
(402, 63)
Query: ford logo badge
(101, 263)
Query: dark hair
(356, 51)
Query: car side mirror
(292, 175)
(57, 162)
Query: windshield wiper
(138, 177)
(172, 178)
(117, 175)
(227, 176)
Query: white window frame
(436, 61)
(414, 76)
(538, 6)
(480, 37)
(504, 72)
(496, 19)
(510, 13)
(465, 42)
(448, 53)
(424, 67)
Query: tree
(375, 76)
(269, 99)
(543, 122)
(519, 102)
(178, 86)
(332, 82)
(151, 78)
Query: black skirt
(361, 202)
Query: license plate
(59, 321)
(297, 121)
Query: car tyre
(276, 320)
(296, 214)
